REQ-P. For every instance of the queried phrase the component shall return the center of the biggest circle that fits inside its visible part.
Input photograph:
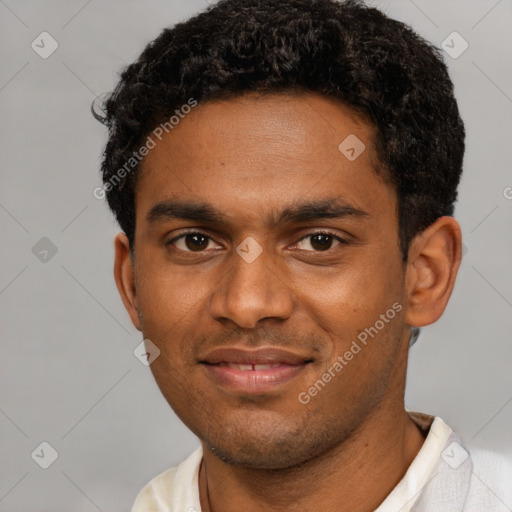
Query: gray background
(68, 375)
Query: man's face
(200, 287)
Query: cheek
(361, 312)
(168, 307)
(348, 299)
(167, 294)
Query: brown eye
(196, 242)
(191, 242)
(321, 241)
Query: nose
(251, 291)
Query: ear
(125, 277)
(434, 259)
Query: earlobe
(434, 260)
(125, 278)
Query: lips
(260, 356)
(249, 367)
(259, 370)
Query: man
(285, 174)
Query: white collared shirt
(443, 477)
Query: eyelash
(327, 233)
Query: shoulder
(177, 486)
(147, 500)
(490, 487)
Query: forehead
(255, 152)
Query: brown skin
(352, 443)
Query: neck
(356, 476)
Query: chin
(256, 449)
(257, 458)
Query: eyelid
(191, 232)
(343, 241)
(334, 235)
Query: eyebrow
(333, 208)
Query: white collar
(431, 479)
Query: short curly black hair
(376, 65)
